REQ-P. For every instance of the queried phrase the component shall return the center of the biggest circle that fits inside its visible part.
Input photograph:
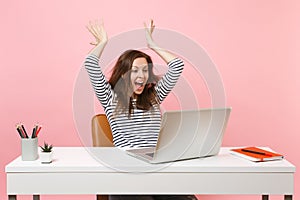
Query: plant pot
(46, 157)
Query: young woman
(132, 96)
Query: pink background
(255, 45)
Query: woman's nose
(140, 73)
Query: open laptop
(187, 134)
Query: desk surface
(79, 170)
(109, 159)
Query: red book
(256, 154)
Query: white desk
(76, 171)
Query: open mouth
(139, 84)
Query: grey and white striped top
(141, 129)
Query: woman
(131, 98)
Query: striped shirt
(141, 129)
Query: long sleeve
(101, 87)
(168, 81)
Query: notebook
(256, 154)
(187, 134)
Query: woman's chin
(138, 91)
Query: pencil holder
(29, 149)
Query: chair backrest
(101, 132)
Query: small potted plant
(46, 153)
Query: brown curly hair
(120, 83)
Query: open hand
(98, 31)
(149, 30)
(163, 53)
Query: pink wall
(253, 43)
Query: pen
(33, 135)
(20, 132)
(23, 128)
(35, 131)
(38, 130)
(256, 152)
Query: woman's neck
(134, 96)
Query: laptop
(187, 134)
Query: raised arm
(163, 53)
(169, 80)
(101, 87)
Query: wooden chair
(101, 132)
(102, 137)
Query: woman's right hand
(98, 31)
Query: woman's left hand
(163, 53)
(149, 30)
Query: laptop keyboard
(144, 151)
